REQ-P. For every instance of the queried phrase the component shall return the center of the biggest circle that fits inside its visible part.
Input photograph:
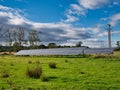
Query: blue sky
(65, 22)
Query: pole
(109, 35)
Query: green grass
(71, 73)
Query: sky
(65, 22)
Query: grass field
(71, 73)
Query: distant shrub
(5, 74)
(5, 53)
(35, 72)
(44, 78)
(82, 72)
(11, 64)
(30, 62)
(96, 56)
(29, 88)
(2, 88)
(66, 61)
(117, 49)
(38, 62)
(52, 64)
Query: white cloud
(115, 3)
(103, 34)
(80, 9)
(73, 12)
(5, 8)
(117, 32)
(104, 19)
(115, 19)
(61, 32)
(11, 15)
(92, 4)
(76, 9)
(71, 18)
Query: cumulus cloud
(115, 19)
(59, 32)
(70, 18)
(115, 3)
(76, 9)
(72, 13)
(11, 16)
(81, 8)
(92, 4)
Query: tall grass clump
(97, 56)
(44, 78)
(34, 73)
(52, 64)
(30, 62)
(66, 60)
(5, 74)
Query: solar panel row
(66, 51)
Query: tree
(14, 35)
(20, 35)
(9, 36)
(52, 45)
(0, 30)
(16, 46)
(118, 43)
(33, 37)
(2, 33)
(42, 46)
(79, 44)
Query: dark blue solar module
(66, 51)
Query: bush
(5, 74)
(82, 72)
(35, 72)
(30, 62)
(117, 49)
(44, 78)
(52, 65)
(97, 56)
(38, 62)
(66, 61)
(11, 64)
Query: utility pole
(109, 35)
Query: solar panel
(66, 51)
(99, 51)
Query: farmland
(71, 73)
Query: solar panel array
(99, 51)
(66, 51)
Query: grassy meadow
(71, 73)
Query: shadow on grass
(50, 78)
(69, 80)
(56, 56)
